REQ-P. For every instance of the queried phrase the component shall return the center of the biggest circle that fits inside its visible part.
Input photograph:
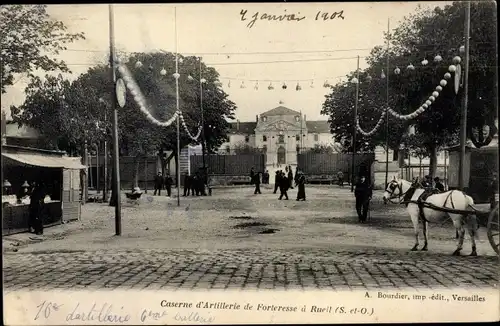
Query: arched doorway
(281, 155)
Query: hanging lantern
(432, 98)
(452, 68)
(447, 75)
(181, 60)
(410, 67)
(435, 94)
(368, 78)
(163, 72)
(438, 58)
(176, 75)
(312, 83)
(242, 84)
(443, 82)
(284, 86)
(382, 75)
(457, 60)
(270, 87)
(354, 80)
(137, 99)
(127, 79)
(439, 88)
(462, 49)
(424, 62)
(138, 64)
(298, 88)
(256, 85)
(134, 92)
(429, 103)
(397, 71)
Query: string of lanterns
(375, 129)
(139, 98)
(451, 69)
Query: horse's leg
(472, 228)
(414, 219)
(425, 225)
(457, 222)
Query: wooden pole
(116, 158)
(354, 128)
(387, 112)
(463, 117)
(178, 119)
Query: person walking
(158, 184)
(284, 184)
(256, 182)
(363, 194)
(252, 175)
(277, 181)
(301, 184)
(168, 184)
(290, 176)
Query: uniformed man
(168, 184)
(252, 175)
(363, 194)
(158, 183)
(187, 183)
(301, 184)
(284, 185)
(277, 181)
(438, 184)
(290, 176)
(256, 182)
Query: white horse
(454, 200)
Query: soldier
(187, 183)
(252, 174)
(277, 181)
(158, 183)
(283, 184)
(168, 184)
(290, 176)
(195, 186)
(438, 184)
(256, 182)
(301, 184)
(363, 194)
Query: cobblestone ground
(235, 239)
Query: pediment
(279, 125)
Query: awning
(45, 161)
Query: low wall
(227, 180)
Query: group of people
(427, 183)
(163, 182)
(196, 184)
(283, 181)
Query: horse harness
(426, 194)
(401, 193)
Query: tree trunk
(177, 169)
(85, 176)
(420, 168)
(112, 200)
(433, 162)
(136, 172)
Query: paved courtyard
(238, 240)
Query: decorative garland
(421, 109)
(136, 92)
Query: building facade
(280, 133)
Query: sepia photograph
(199, 163)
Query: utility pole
(105, 193)
(203, 141)
(178, 119)
(463, 117)
(354, 128)
(387, 111)
(116, 157)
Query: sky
(306, 52)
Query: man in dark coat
(256, 182)
(277, 181)
(301, 184)
(252, 175)
(493, 189)
(363, 194)
(284, 185)
(168, 184)
(36, 208)
(290, 177)
(187, 183)
(438, 184)
(427, 182)
(195, 184)
(158, 183)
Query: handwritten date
(295, 17)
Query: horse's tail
(472, 219)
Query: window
(264, 148)
(395, 155)
(281, 139)
(316, 137)
(264, 119)
(264, 138)
(297, 118)
(228, 149)
(247, 139)
(297, 137)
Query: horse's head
(393, 190)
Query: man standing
(301, 184)
(277, 181)
(284, 184)
(290, 176)
(187, 183)
(363, 194)
(340, 178)
(158, 184)
(438, 184)
(256, 182)
(36, 208)
(168, 184)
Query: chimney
(237, 124)
(256, 118)
(304, 117)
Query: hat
(6, 183)
(25, 184)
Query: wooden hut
(59, 173)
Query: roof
(13, 130)
(318, 126)
(280, 110)
(38, 159)
(247, 128)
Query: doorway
(281, 155)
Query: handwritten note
(252, 18)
